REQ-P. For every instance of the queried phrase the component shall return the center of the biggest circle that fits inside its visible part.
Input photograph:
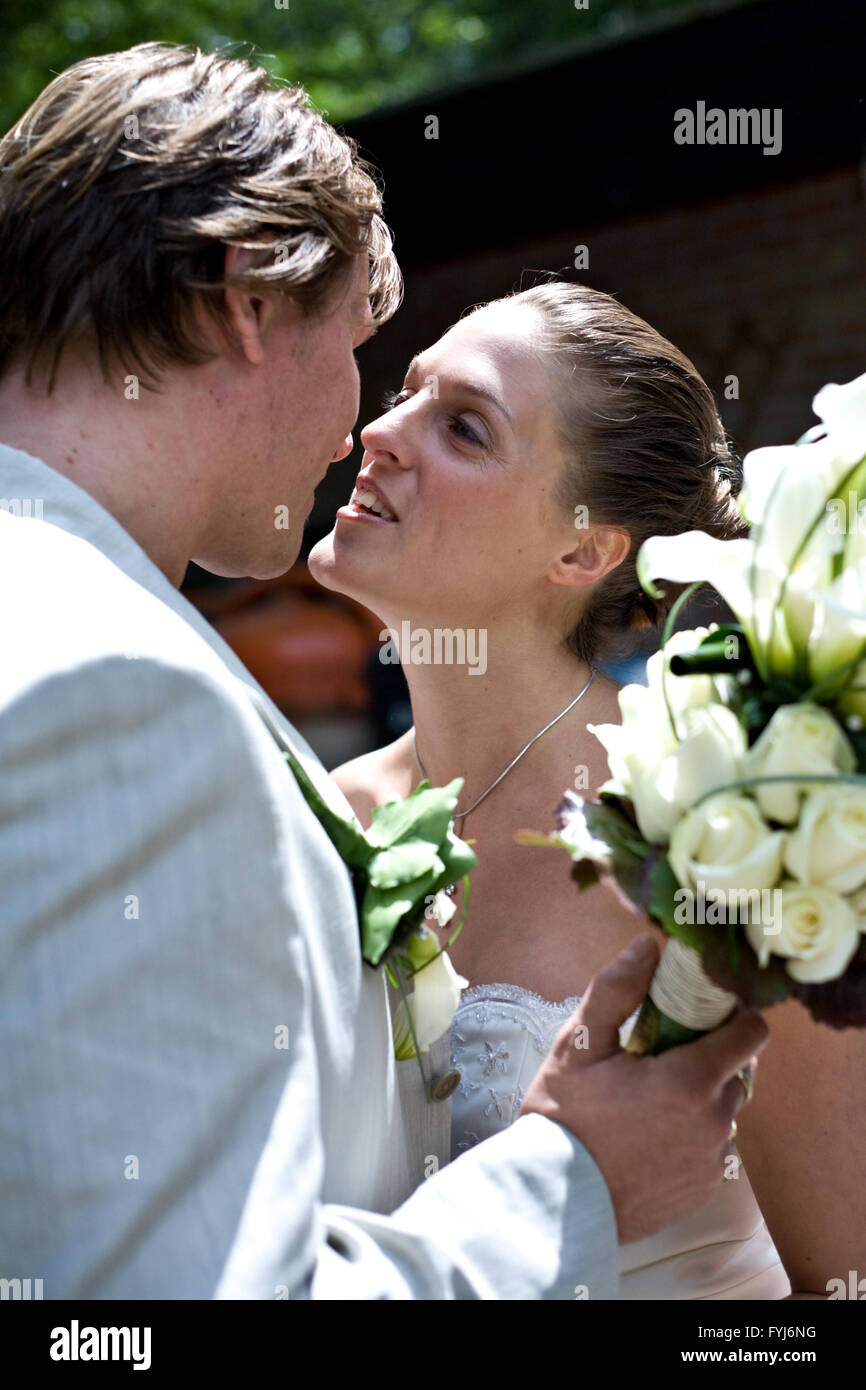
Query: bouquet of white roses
(736, 812)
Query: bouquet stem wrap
(682, 1003)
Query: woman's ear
(249, 311)
(599, 550)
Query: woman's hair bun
(646, 612)
(645, 448)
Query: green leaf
(654, 1032)
(424, 815)
(347, 838)
(712, 655)
(661, 905)
(738, 970)
(457, 859)
(609, 821)
(539, 838)
(403, 863)
(382, 910)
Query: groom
(199, 1094)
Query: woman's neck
(471, 725)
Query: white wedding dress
(499, 1038)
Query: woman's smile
(368, 503)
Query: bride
(504, 495)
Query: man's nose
(344, 450)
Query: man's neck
(132, 454)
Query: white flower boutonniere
(401, 868)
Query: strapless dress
(500, 1035)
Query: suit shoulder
(74, 606)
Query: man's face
(279, 425)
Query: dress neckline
(517, 994)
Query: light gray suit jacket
(198, 1090)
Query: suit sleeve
(149, 940)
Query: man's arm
(151, 867)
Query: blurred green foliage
(351, 55)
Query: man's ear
(250, 312)
(599, 550)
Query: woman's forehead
(497, 339)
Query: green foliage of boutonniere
(406, 857)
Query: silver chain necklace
(461, 815)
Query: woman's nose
(344, 450)
(382, 436)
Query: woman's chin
(322, 562)
(333, 565)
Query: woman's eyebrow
(473, 388)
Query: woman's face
(467, 461)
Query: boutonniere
(404, 869)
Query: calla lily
(839, 630)
(728, 565)
(776, 580)
(843, 410)
(434, 1000)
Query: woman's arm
(353, 782)
(803, 1142)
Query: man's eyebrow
(473, 388)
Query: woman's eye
(456, 423)
(465, 432)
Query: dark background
(555, 130)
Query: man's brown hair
(124, 181)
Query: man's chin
(251, 567)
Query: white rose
(634, 750)
(709, 755)
(665, 776)
(725, 844)
(799, 738)
(818, 933)
(858, 903)
(643, 737)
(828, 846)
